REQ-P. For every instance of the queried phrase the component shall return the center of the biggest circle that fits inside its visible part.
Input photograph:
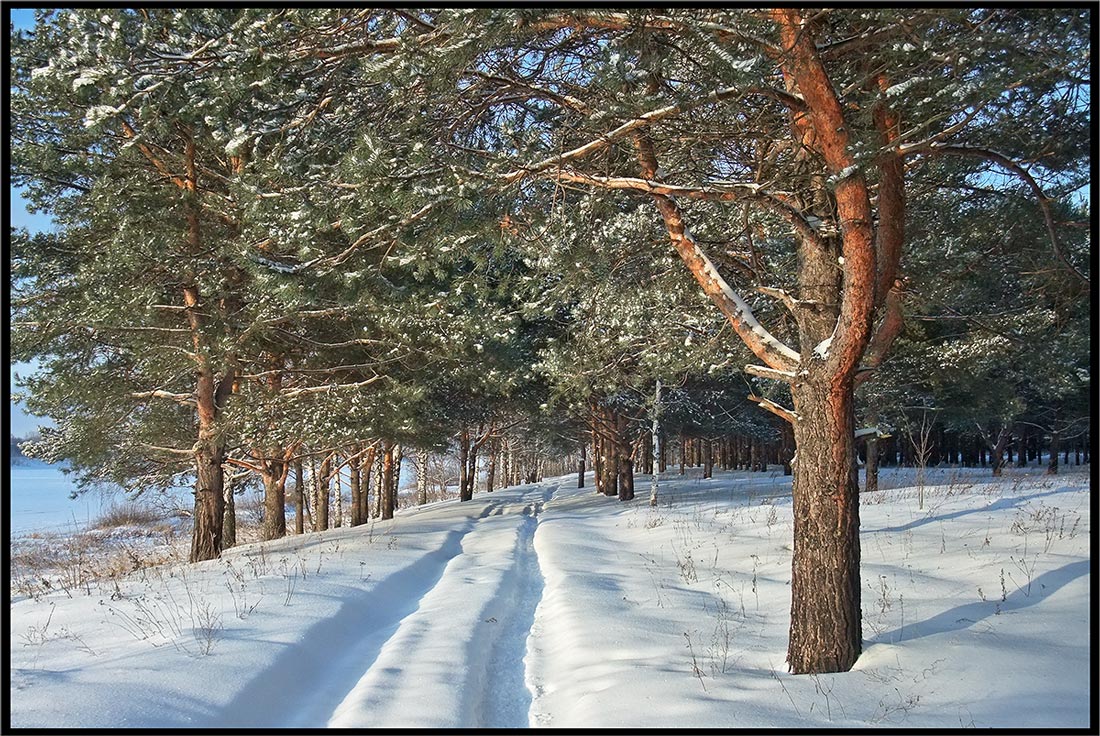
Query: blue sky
(21, 422)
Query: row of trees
(318, 231)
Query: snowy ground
(546, 605)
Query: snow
(549, 605)
(744, 312)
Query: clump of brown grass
(127, 514)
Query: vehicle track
(385, 653)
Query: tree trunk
(378, 492)
(471, 469)
(580, 467)
(870, 483)
(421, 476)
(1052, 464)
(321, 509)
(825, 633)
(273, 473)
(609, 453)
(206, 537)
(683, 452)
(625, 461)
(337, 495)
(300, 498)
(398, 454)
(491, 468)
(229, 519)
(463, 464)
(386, 491)
(997, 457)
(656, 445)
(355, 487)
(597, 458)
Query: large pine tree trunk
(273, 474)
(206, 537)
(825, 634)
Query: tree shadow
(964, 616)
(1001, 504)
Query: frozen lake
(40, 499)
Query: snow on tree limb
(619, 133)
(763, 344)
(780, 411)
(764, 372)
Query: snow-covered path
(463, 642)
(549, 605)
(451, 627)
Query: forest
(299, 247)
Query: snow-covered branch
(188, 399)
(765, 372)
(780, 411)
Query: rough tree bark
(355, 488)
(421, 476)
(389, 498)
(623, 448)
(656, 431)
(229, 520)
(299, 498)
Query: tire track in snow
(535, 659)
(309, 680)
(457, 661)
(506, 693)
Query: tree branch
(763, 372)
(780, 411)
(762, 343)
(1008, 164)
